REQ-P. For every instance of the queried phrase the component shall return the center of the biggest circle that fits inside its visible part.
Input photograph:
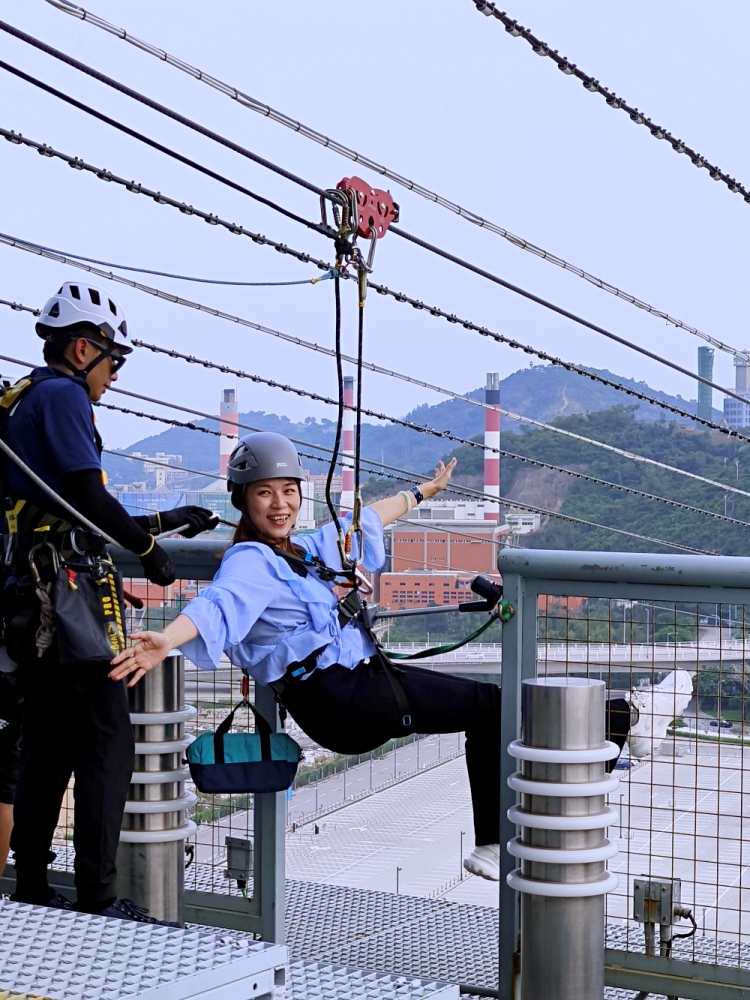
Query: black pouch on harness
(88, 613)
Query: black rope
(340, 417)
(358, 434)
(69, 60)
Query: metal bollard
(562, 845)
(151, 855)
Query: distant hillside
(540, 391)
(708, 454)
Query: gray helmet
(261, 455)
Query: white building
(737, 414)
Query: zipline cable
(246, 101)
(327, 267)
(591, 84)
(417, 241)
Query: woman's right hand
(146, 653)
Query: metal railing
(682, 797)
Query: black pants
(75, 722)
(10, 732)
(354, 711)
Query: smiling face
(272, 505)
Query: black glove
(158, 567)
(196, 518)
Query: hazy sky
(436, 92)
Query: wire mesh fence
(683, 667)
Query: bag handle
(262, 728)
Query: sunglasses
(116, 360)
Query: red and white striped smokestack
(492, 440)
(229, 413)
(347, 447)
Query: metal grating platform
(320, 981)
(406, 935)
(74, 956)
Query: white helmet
(81, 303)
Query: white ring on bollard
(173, 746)
(538, 821)
(558, 856)
(163, 718)
(562, 890)
(546, 755)
(556, 789)
(158, 836)
(159, 777)
(148, 806)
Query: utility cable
(412, 426)
(424, 244)
(618, 103)
(246, 101)
(435, 311)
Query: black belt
(295, 672)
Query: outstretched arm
(390, 509)
(151, 648)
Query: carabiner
(32, 557)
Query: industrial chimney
(492, 440)
(229, 413)
(346, 502)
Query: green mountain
(707, 454)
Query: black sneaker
(126, 909)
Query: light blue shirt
(264, 616)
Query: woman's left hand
(443, 475)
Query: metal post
(345, 769)
(268, 817)
(519, 661)
(563, 846)
(371, 770)
(151, 855)
(398, 872)
(461, 857)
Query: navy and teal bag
(226, 762)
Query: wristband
(418, 495)
(409, 497)
(154, 523)
(149, 549)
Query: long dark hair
(247, 532)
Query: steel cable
(246, 101)
(523, 506)
(381, 416)
(454, 488)
(417, 241)
(591, 84)
(400, 297)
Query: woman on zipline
(269, 610)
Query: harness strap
(399, 692)
(449, 647)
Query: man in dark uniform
(75, 719)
